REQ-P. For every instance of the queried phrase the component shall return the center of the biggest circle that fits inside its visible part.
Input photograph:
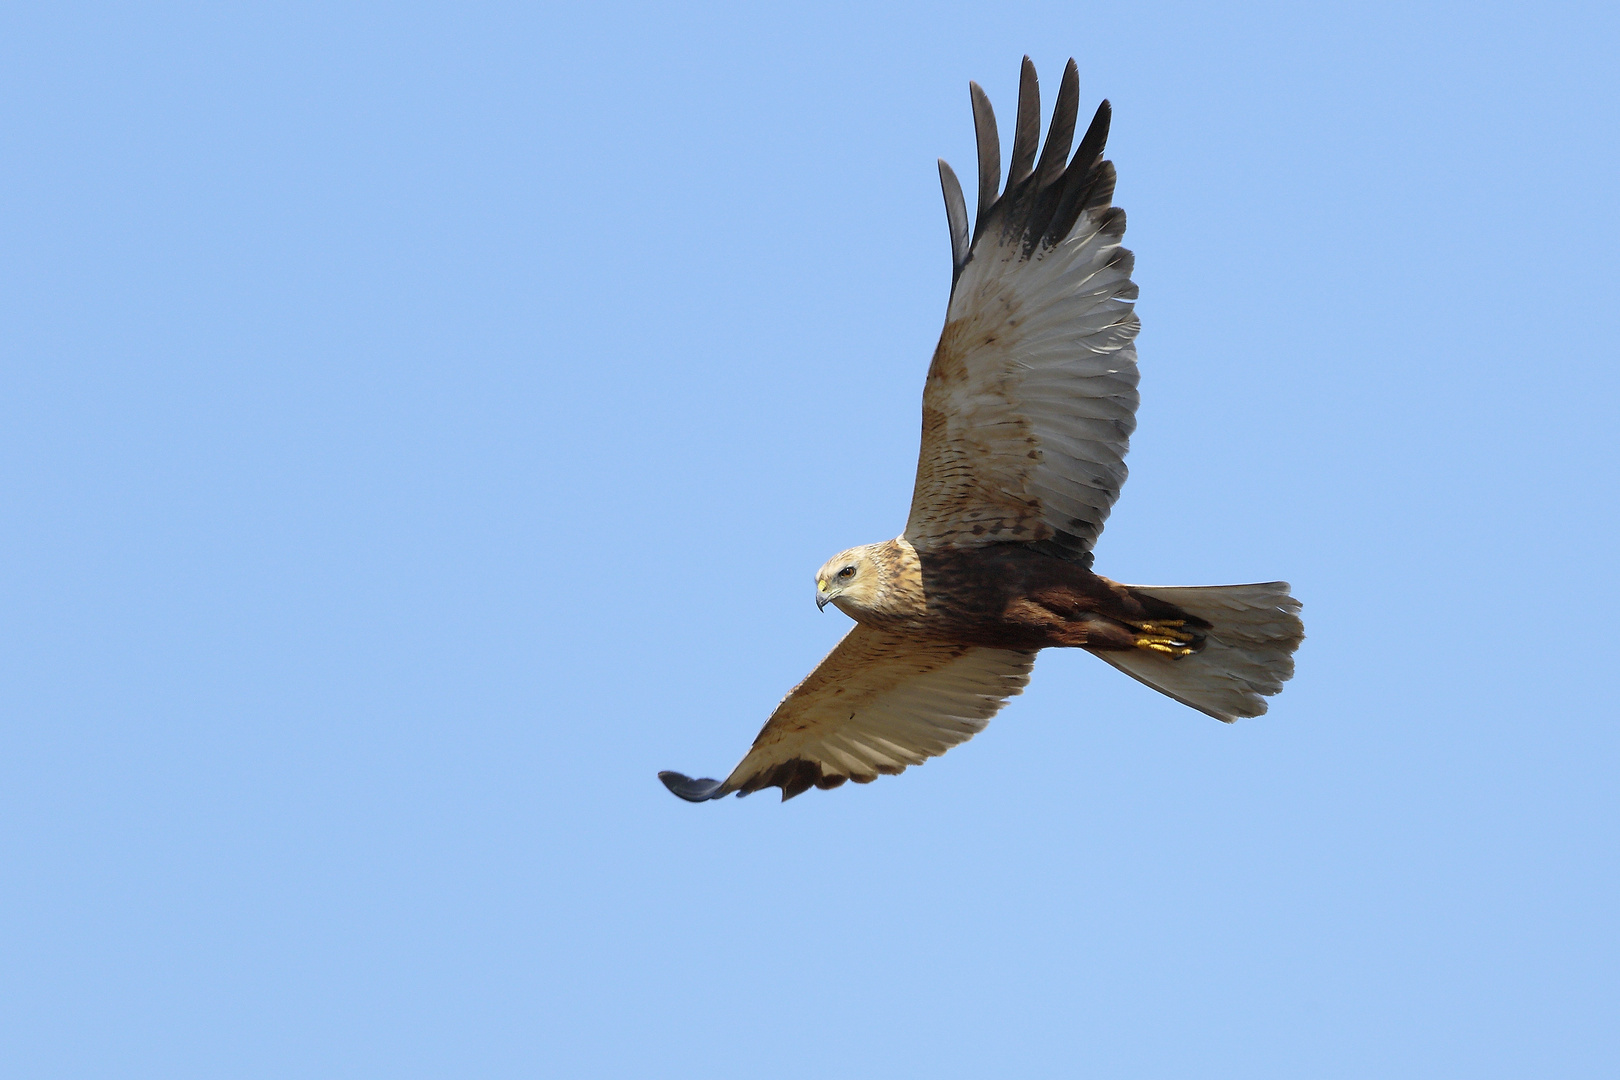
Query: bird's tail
(1245, 657)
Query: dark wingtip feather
(956, 218)
(1027, 128)
(1088, 182)
(989, 144)
(689, 789)
(1060, 134)
(1095, 139)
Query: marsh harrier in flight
(1027, 412)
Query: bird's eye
(847, 572)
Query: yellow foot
(1165, 636)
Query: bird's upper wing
(877, 703)
(1031, 397)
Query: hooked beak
(822, 595)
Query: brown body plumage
(1005, 596)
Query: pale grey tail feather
(1246, 657)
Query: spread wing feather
(1031, 397)
(878, 703)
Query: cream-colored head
(870, 581)
(851, 580)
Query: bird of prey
(1027, 412)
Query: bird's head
(852, 580)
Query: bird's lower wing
(878, 703)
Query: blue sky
(421, 425)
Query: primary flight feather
(1027, 415)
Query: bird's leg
(1165, 636)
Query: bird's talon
(1165, 636)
